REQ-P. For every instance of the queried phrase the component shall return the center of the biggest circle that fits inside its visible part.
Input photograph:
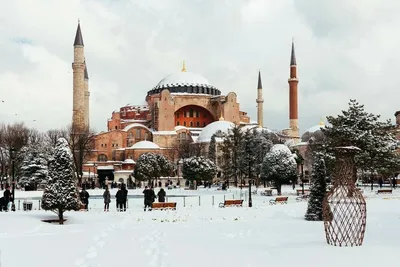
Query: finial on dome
(321, 122)
(184, 66)
(221, 118)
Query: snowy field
(194, 235)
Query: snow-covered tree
(279, 166)
(150, 166)
(61, 192)
(212, 149)
(356, 127)
(198, 169)
(248, 161)
(317, 189)
(34, 167)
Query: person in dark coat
(161, 195)
(118, 199)
(84, 196)
(380, 181)
(149, 197)
(107, 199)
(121, 197)
(7, 198)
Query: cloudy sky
(345, 49)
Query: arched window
(102, 157)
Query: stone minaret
(78, 67)
(87, 95)
(260, 101)
(293, 101)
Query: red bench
(384, 191)
(164, 206)
(231, 203)
(280, 200)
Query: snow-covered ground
(194, 235)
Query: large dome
(212, 128)
(185, 82)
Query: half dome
(145, 145)
(313, 133)
(208, 131)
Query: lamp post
(250, 200)
(94, 173)
(302, 177)
(12, 156)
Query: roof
(78, 36)
(259, 80)
(293, 56)
(133, 125)
(183, 78)
(86, 73)
(145, 145)
(212, 128)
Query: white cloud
(345, 49)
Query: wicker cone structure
(344, 207)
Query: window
(204, 115)
(102, 157)
(191, 124)
(191, 113)
(197, 114)
(177, 114)
(204, 124)
(130, 135)
(116, 127)
(177, 123)
(138, 133)
(184, 123)
(198, 124)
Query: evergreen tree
(34, 168)
(212, 149)
(356, 127)
(248, 161)
(279, 166)
(317, 189)
(61, 193)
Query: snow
(128, 161)
(145, 145)
(107, 167)
(194, 235)
(164, 133)
(183, 79)
(315, 128)
(212, 128)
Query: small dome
(145, 145)
(313, 133)
(208, 131)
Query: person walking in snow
(107, 199)
(161, 195)
(84, 196)
(149, 197)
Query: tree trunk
(61, 216)
(279, 188)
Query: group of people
(150, 197)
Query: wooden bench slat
(163, 205)
(281, 200)
(232, 202)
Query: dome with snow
(252, 126)
(208, 131)
(145, 145)
(185, 82)
(314, 133)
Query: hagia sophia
(181, 106)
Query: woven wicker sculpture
(345, 210)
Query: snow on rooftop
(177, 128)
(212, 128)
(164, 133)
(183, 78)
(134, 125)
(128, 161)
(145, 145)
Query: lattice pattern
(345, 208)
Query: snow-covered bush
(279, 165)
(61, 192)
(151, 166)
(198, 169)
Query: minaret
(260, 101)
(87, 96)
(78, 67)
(293, 101)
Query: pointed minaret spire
(86, 72)
(260, 101)
(184, 66)
(78, 36)
(293, 55)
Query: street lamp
(12, 156)
(250, 200)
(302, 177)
